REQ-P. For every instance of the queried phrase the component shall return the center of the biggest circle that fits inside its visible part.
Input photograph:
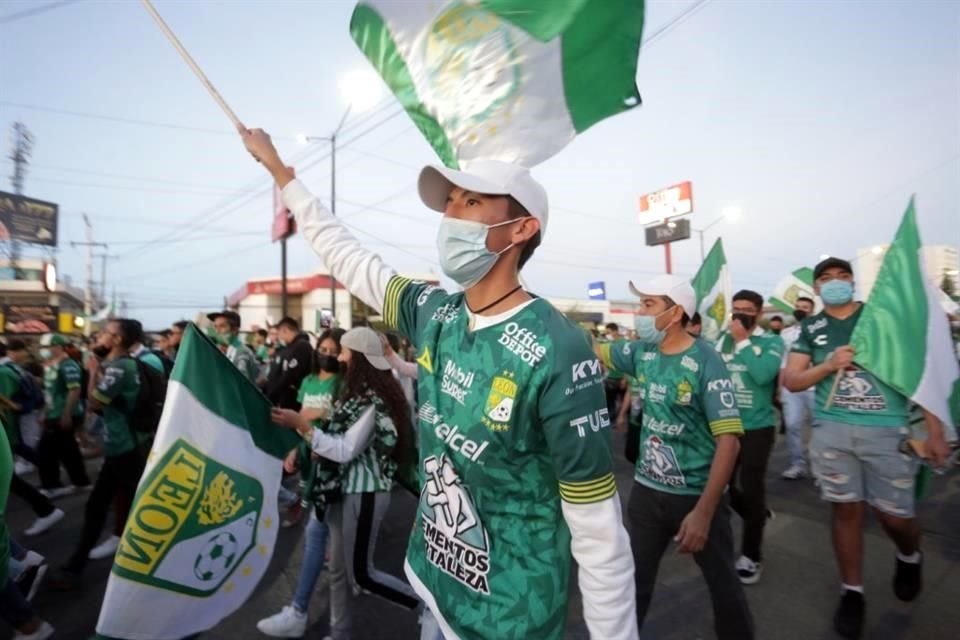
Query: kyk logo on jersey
(455, 540)
(499, 406)
(194, 520)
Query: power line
(103, 174)
(159, 272)
(116, 187)
(26, 13)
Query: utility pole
(333, 210)
(21, 149)
(103, 273)
(88, 290)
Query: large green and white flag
(714, 292)
(204, 521)
(903, 336)
(796, 285)
(512, 80)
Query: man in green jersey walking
(514, 433)
(688, 447)
(753, 359)
(859, 423)
(63, 417)
(227, 325)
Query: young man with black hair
(114, 387)
(513, 425)
(797, 405)
(176, 335)
(689, 442)
(860, 423)
(292, 362)
(776, 325)
(752, 357)
(227, 327)
(695, 326)
(63, 417)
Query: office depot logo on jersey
(523, 343)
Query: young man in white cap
(689, 441)
(514, 431)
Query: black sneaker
(908, 580)
(29, 581)
(848, 620)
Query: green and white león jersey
(512, 420)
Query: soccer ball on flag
(216, 558)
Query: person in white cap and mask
(689, 441)
(514, 432)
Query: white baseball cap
(366, 341)
(486, 177)
(674, 287)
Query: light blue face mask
(462, 245)
(836, 292)
(45, 354)
(646, 327)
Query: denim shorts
(854, 463)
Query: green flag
(714, 292)
(511, 80)
(798, 284)
(204, 521)
(903, 336)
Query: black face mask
(326, 362)
(746, 320)
(799, 314)
(101, 351)
(776, 331)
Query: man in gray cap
(513, 418)
(689, 441)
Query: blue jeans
(314, 550)
(797, 413)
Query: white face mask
(462, 245)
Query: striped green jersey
(374, 468)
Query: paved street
(794, 600)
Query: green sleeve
(303, 389)
(111, 383)
(621, 356)
(762, 359)
(802, 343)
(153, 360)
(409, 305)
(719, 401)
(576, 425)
(72, 375)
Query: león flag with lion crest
(204, 521)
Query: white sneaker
(44, 632)
(43, 524)
(22, 467)
(59, 492)
(795, 472)
(748, 571)
(105, 549)
(289, 623)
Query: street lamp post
(730, 214)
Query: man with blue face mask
(859, 424)
(689, 441)
(514, 432)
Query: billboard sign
(668, 232)
(668, 203)
(28, 219)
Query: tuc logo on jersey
(454, 538)
(456, 382)
(193, 523)
(596, 420)
(522, 343)
(499, 407)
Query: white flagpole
(192, 64)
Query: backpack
(165, 360)
(29, 396)
(146, 411)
